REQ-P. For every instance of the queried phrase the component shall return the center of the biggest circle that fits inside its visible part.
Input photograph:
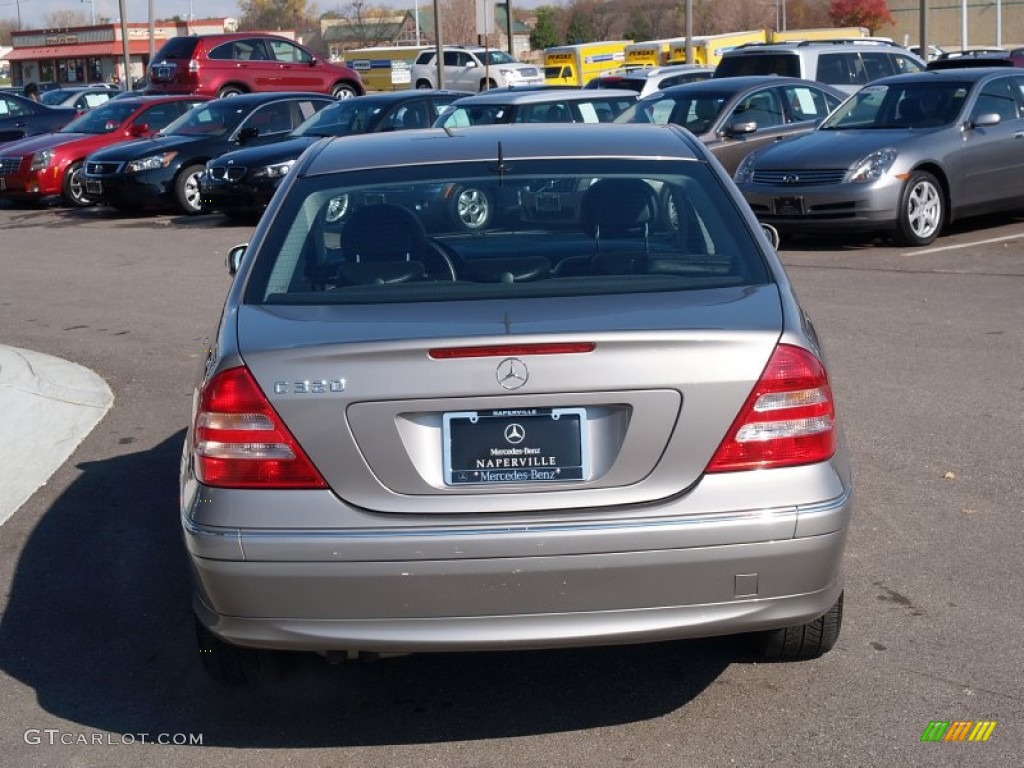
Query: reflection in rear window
(562, 228)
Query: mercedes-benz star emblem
(512, 373)
(514, 434)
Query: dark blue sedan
(21, 117)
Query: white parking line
(926, 251)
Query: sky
(34, 12)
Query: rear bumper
(570, 585)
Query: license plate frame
(93, 187)
(792, 205)
(528, 446)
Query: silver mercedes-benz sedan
(615, 427)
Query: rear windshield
(565, 228)
(598, 109)
(767, 63)
(177, 48)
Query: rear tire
(186, 189)
(73, 187)
(227, 664)
(230, 90)
(804, 641)
(423, 85)
(486, 85)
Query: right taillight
(239, 440)
(788, 419)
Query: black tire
(486, 85)
(472, 208)
(804, 641)
(344, 91)
(922, 210)
(423, 85)
(227, 664)
(73, 187)
(230, 90)
(186, 189)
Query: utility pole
(124, 46)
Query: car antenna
(501, 168)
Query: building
(95, 53)
(989, 23)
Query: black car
(241, 183)
(165, 170)
(21, 117)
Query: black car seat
(619, 216)
(387, 243)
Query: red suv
(245, 62)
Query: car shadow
(98, 624)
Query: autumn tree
(872, 14)
(275, 14)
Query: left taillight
(787, 420)
(239, 441)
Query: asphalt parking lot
(97, 659)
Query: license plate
(530, 446)
(93, 187)
(549, 203)
(789, 206)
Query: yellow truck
(577, 64)
(708, 49)
(817, 33)
(650, 53)
(384, 68)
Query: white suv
(846, 64)
(474, 69)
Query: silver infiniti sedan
(606, 429)
(904, 156)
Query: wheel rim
(191, 191)
(343, 93)
(472, 208)
(76, 186)
(924, 209)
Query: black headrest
(618, 207)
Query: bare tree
(458, 22)
(372, 24)
(64, 19)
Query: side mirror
(772, 234)
(139, 129)
(740, 127)
(247, 134)
(989, 118)
(471, 64)
(234, 258)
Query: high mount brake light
(239, 441)
(787, 420)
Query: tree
(458, 22)
(872, 14)
(545, 31)
(65, 19)
(275, 14)
(7, 26)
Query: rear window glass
(563, 228)
(177, 48)
(786, 64)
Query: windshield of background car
(543, 229)
(694, 111)
(104, 119)
(926, 104)
(52, 98)
(216, 118)
(497, 57)
(768, 63)
(345, 118)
